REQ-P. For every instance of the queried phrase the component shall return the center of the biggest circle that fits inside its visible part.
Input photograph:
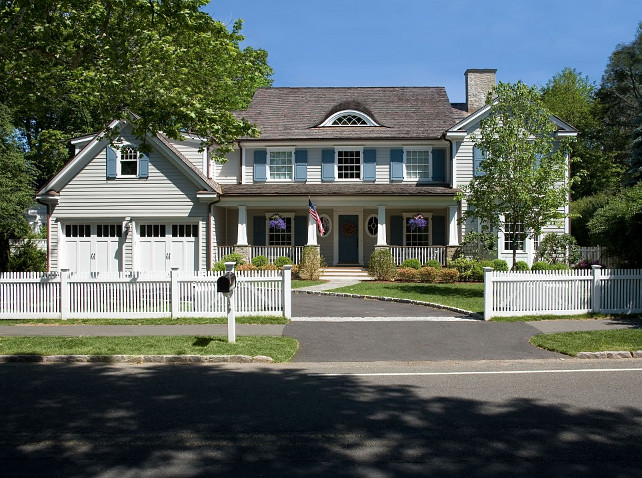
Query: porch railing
(422, 253)
(271, 252)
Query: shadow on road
(196, 421)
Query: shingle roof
(402, 112)
(332, 189)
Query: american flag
(315, 216)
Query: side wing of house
(119, 207)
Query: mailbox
(226, 283)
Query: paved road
(478, 419)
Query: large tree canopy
(523, 176)
(71, 66)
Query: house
(370, 160)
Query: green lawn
(570, 343)
(530, 318)
(281, 349)
(166, 321)
(298, 283)
(467, 296)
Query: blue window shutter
(327, 165)
(369, 164)
(301, 165)
(478, 157)
(258, 235)
(396, 165)
(396, 230)
(300, 230)
(439, 165)
(439, 230)
(112, 158)
(143, 165)
(260, 165)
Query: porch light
(277, 222)
(417, 222)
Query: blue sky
(430, 42)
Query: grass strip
(298, 283)
(570, 343)
(467, 296)
(258, 319)
(531, 318)
(281, 349)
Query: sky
(430, 42)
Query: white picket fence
(141, 294)
(609, 291)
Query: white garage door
(93, 247)
(164, 246)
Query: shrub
(500, 265)
(282, 261)
(234, 257)
(247, 267)
(433, 263)
(260, 261)
(27, 257)
(429, 274)
(521, 266)
(448, 275)
(560, 248)
(269, 267)
(381, 266)
(295, 270)
(414, 263)
(464, 267)
(559, 267)
(311, 266)
(407, 274)
(479, 245)
(219, 267)
(541, 266)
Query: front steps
(345, 274)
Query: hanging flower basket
(417, 222)
(277, 222)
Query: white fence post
(488, 293)
(174, 294)
(64, 294)
(287, 291)
(596, 290)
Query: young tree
(70, 67)
(16, 188)
(522, 184)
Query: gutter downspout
(48, 231)
(241, 163)
(210, 234)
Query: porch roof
(346, 189)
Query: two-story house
(370, 159)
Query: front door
(348, 239)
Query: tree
(571, 97)
(620, 103)
(618, 226)
(16, 188)
(70, 67)
(521, 186)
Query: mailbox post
(226, 285)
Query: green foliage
(500, 265)
(634, 173)
(433, 263)
(413, 263)
(407, 274)
(381, 266)
(479, 245)
(582, 211)
(524, 171)
(27, 257)
(310, 267)
(219, 267)
(541, 266)
(234, 257)
(618, 226)
(558, 248)
(560, 266)
(70, 68)
(521, 266)
(469, 269)
(260, 261)
(282, 261)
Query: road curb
(391, 299)
(133, 359)
(618, 354)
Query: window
(327, 224)
(109, 230)
(513, 235)
(372, 226)
(280, 164)
(417, 236)
(152, 230)
(184, 230)
(348, 164)
(349, 118)
(280, 237)
(78, 230)
(418, 164)
(128, 161)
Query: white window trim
(503, 238)
(119, 151)
(336, 162)
(376, 216)
(268, 215)
(288, 149)
(405, 163)
(427, 216)
(363, 116)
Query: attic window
(349, 118)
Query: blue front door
(348, 239)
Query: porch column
(381, 227)
(312, 231)
(241, 234)
(453, 230)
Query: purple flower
(277, 222)
(417, 222)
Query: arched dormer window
(349, 118)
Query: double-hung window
(418, 164)
(349, 163)
(513, 234)
(417, 235)
(281, 164)
(278, 236)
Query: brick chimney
(478, 84)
